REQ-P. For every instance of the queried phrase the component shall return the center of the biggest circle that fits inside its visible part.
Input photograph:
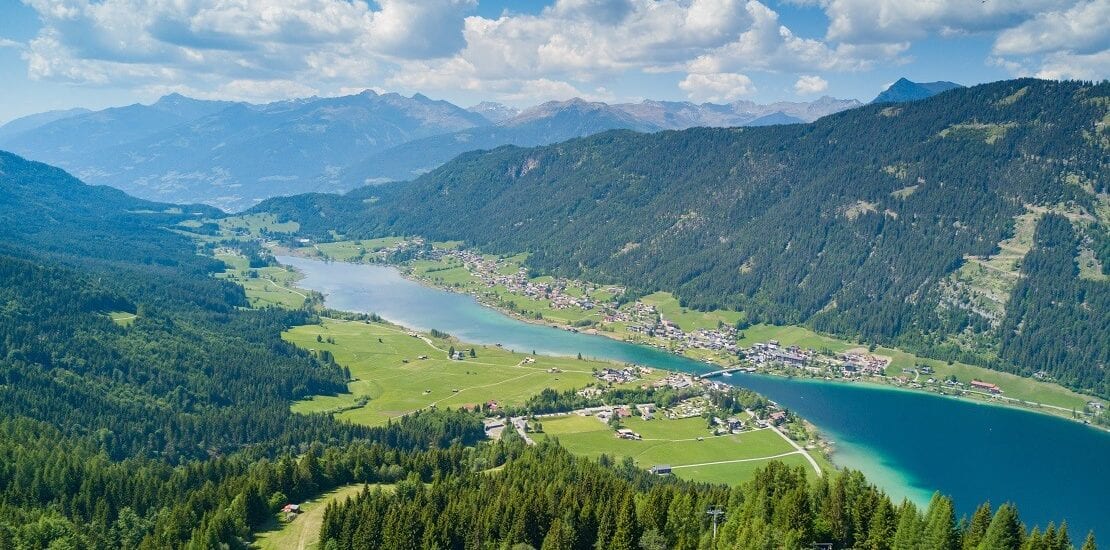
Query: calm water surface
(909, 443)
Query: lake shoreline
(999, 401)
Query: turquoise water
(909, 443)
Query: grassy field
(726, 459)
(122, 318)
(264, 286)
(392, 379)
(347, 251)
(254, 224)
(688, 319)
(304, 531)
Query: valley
(660, 321)
(885, 328)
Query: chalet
(291, 509)
(622, 412)
(625, 433)
(778, 417)
(979, 384)
(492, 406)
(660, 469)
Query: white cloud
(1083, 28)
(1061, 65)
(717, 87)
(810, 84)
(238, 46)
(768, 45)
(1045, 38)
(871, 21)
(265, 48)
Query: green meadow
(391, 379)
(264, 286)
(727, 459)
(688, 319)
(303, 531)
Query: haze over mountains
(233, 155)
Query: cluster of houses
(847, 364)
(676, 380)
(645, 320)
(621, 376)
(489, 271)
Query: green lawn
(673, 442)
(304, 531)
(396, 382)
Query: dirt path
(799, 448)
(740, 460)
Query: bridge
(722, 372)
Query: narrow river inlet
(909, 443)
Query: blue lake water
(909, 443)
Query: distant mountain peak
(905, 89)
(494, 112)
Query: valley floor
(659, 320)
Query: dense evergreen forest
(143, 405)
(544, 498)
(853, 224)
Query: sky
(58, 54)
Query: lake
(909, 443)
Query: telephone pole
(716, 512)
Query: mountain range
(972, 225)
(233, 155)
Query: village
(644, 322)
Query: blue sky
(98, 53)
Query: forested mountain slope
(883, 222)
(188, 376)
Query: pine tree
(652, 539)
(880, 535)
(560, 536)
(1036, 541)
(1063, 540)
(1089, 544)
(940, 524)
(1005, 531)
(627, 531)
(908, 535)
(977, 528)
